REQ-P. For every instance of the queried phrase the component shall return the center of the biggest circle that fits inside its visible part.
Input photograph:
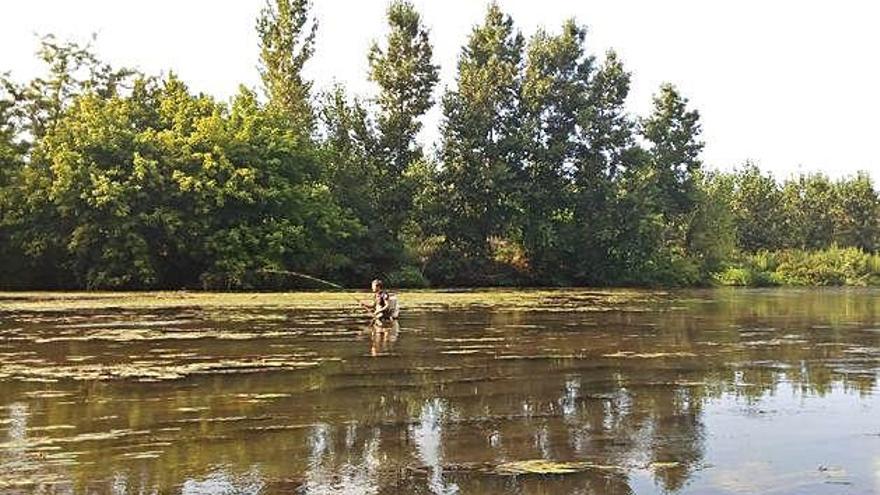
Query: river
(538, 392)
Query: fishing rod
(314, 279)
(303, 275)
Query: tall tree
(31, 111)
(672, 132)
(857, 213)
(406, 76)
(352, 158)
(287, 41)
(668, 189)
(819, 198)
(11, 160)
(482, 148)
(607, 226)
(554, 94)
(711, 237)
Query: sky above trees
(790, 85)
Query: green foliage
(112, 179)
(374, 162)
(666, 239)
(834, 266)
(745, 276)
(72, 69)
(672, 131)
(287, 41)
(857, 213)
(758, 208)
(554, 95)
(407, 276)
(482, 149)
(162, 188)
(406, 76)
(808, 212)
(711, 236)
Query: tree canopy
(541, 176)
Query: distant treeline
(114, 179)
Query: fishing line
(315, 279)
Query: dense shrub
(829, 267)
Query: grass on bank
(830, 267)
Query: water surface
(710, 392)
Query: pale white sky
(793, 85)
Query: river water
(709, 392)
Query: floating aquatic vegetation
(648, 355)
(33, 442)
(150, 454)
(542, 466)
(138, 334)
(37, 429)
(224, 419)
(263, 396)
(47, 394)
(862, 350)
(280, 427)
(537, 356)
(158, 370)
(192, 409)
(481, 347)
(538, 300)
(137, 321)
(79, 359)
(772, 342)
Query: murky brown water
(692, 392)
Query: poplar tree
(672, 132)
(11, 154)
(858, 213)
(554, 95)
(482, 149)
(406, 76)
(287, 41)
(607, 232)
(667, 193)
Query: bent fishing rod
(314, 279)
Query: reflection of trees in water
(19, 462)
(220, 481)
(360, 425)
(353, 468)
(15, 455)
(648, 413)
(428, 437)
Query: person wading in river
(383, 305)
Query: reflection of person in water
(383, 335)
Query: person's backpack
(393, 306)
